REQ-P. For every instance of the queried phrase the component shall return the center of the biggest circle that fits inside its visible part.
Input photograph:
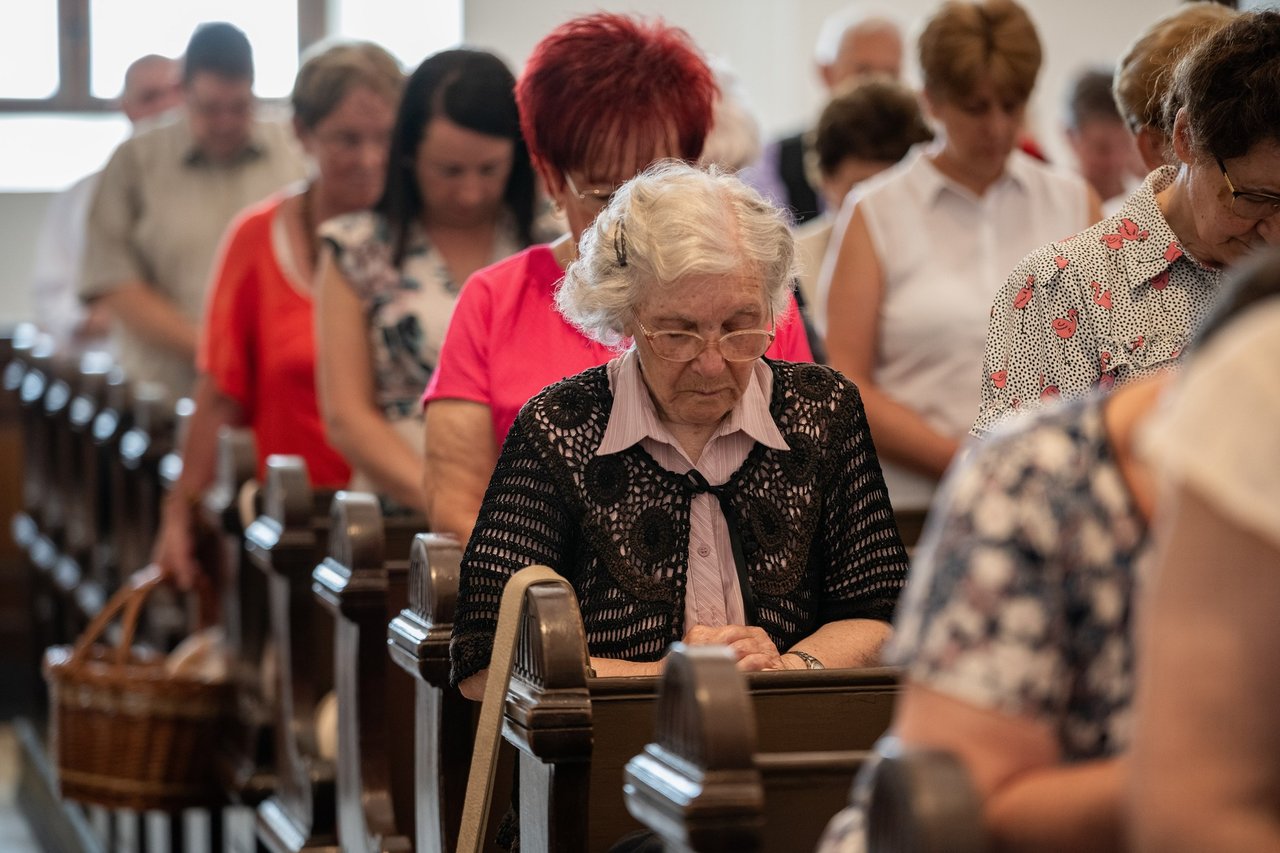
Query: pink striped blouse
(713, 597)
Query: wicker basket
(126, 733)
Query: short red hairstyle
(602, 84)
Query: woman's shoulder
(811, 392)
(889, 186)
(255, 220)
(534, 266)
(1081, 256)
(1046, 177)
(1062, 443)
(571, 404)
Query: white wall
(20, 216)
(768, 42)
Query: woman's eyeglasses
(744, 345)
(1249, 205)
(593, 195)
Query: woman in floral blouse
(1121, 300)
(459, 195)
(1016, 629)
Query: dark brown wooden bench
(82, 477)
(285, 542)
(703, 784)
(112, 422)
(444, 719)
(363, 584)
(246, 760)
(574, 734)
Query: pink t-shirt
(506, 340)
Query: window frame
(74, 93)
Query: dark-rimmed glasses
(1249, 205)
(594, 195)
(743, 345)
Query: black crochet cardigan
(819, 536)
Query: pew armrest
(923, 800)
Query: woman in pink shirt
(690, 489)
(601, 98)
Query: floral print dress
(1020, 598)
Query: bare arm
(173, 550)
(1205, 774)
(855, 295)
(460, 457)
(152, 317)
(1032, 802)
(353, 422)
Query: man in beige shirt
(165, 199)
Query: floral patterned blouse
(1114, 302)
(1020, 598)
(407, 309)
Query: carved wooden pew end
(284, 543)
(362, 583)
(923, 801)
(697, 785)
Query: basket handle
(129, 598)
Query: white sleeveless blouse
(945, 252)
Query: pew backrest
(418, 642)
(363, 584)
(284, 543)
(575, 733)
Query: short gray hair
(670, 222)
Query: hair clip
(620, 243)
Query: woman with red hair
(602, 97)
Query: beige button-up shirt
(158, 217)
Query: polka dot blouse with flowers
(1114, 302)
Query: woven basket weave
(126, 733)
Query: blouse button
(704, 551)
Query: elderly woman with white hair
(690, 489)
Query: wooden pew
(34, 380)
(246, 761)
(284, 543)
(112, 422)
(363, 583)
(136, 505)
(19, 659)
(574, 734)
(83, 475)
(418, 642)
(444, 719)
(923, 801)
(702, 785)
